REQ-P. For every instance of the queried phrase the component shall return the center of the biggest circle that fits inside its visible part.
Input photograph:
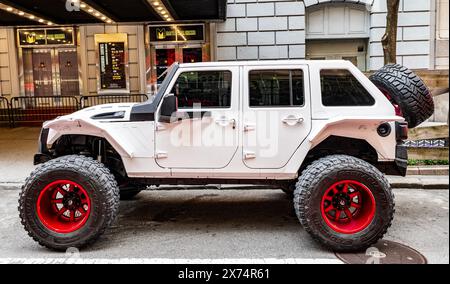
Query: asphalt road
(228, 224)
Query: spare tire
(406, 91)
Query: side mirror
(168, 108)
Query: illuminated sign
(60, 36)
(112, 65)
(177, 33)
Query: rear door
(276, 114)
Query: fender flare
(364, 128)
(69, 126)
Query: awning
(71, 12)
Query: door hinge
(249, 127)
(160, 127)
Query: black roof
(120, 11)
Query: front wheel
(68, 202)
(344, 203)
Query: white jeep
(319, 130)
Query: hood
(102, 113)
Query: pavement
(229, 225)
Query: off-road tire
(407, 90)
(319, 176)
(98, 182)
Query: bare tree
(389, 40)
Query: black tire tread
(86, 165)
(307, 183)
(408, 91)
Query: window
(209, 89)
(341, 88)
(276, 88)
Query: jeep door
(276, 114)
(208, 135)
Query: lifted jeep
(319, 130)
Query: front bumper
(43, 154)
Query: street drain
(384, 252)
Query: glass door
(164, 58)
(192, 55)
(68, 72)
(42, 72)
(51, 72)
(165, 55)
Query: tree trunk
(389, 40)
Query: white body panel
(140, 144)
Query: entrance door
(164, 58)
(354, 50)
(51, 72)
(165, 55)
(68, 72)
(42, 73)
(207, 137)
(277, 114)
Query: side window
(210, 89)
(276, 88)
(341, 88)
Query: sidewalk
(18, 145)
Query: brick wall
(264, 29)
(415, 34)
(275, 29)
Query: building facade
(76, 59)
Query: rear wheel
(68, 202)
(345, 203)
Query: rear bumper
(399, 166)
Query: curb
(428, 171)
(420, 182)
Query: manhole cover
(384, 252)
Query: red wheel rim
(348, 207)
(63, 206)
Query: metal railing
(33, 111)
(5, 113)
(89, 101)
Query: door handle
(161, 155)
(249, 155)
(292, 120)
(223, 121)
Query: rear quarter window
(340, 88)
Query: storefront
(185, 43)
(48, 62)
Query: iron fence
(5, 114)
(89, 101)
(35, 110)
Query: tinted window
(211, 89)
(341, 88)
(272, 88)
